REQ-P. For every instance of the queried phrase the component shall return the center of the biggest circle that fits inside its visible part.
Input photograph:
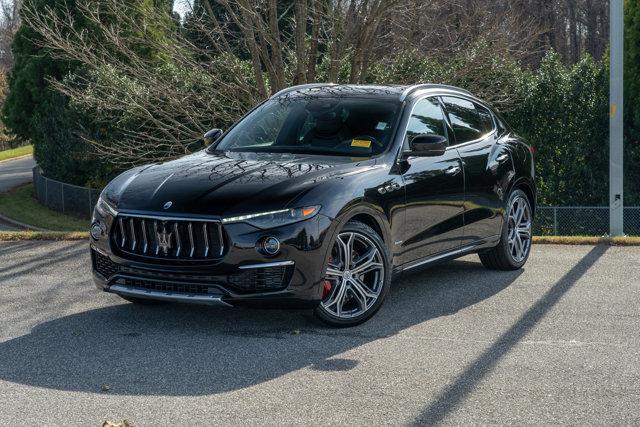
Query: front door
(434, 188)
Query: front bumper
(241, 277)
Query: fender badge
(168, 205)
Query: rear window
(466, 122)
(486, 119)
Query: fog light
(96, 231)
(271, 245)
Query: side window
(465, 120)
(427, 117)
(486, 119)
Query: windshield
(327, 126)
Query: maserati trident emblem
(164, 240)
(167, 205)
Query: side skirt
(447, 256)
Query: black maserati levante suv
(317, 198)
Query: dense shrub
(632, 102)
(563, 114)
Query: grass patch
(587, 240)
(20, 205)
(11, 236)
(16, 152)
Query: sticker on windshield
(362, 143)
(381, 126)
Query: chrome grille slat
(134, 242)
(206, 239)
(220, 240)
(144, 237)
(193, 247)
(173, 239)
(155, 236)
(123, 235)
(178, 242)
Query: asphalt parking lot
(557, 342)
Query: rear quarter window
(465, 120)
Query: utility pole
(616, 112)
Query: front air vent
(167, 239)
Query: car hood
(227, 183)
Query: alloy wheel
(519, 229)
(355, 276)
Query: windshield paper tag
(381, 126)
(362, 143)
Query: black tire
(384, 279)
(501, 256)
(142, 301)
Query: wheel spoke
(519, 212)
(362, 300)
(334, 273)
(519, 247)
(337, 297)
(346, 248)
(368, 268)
(365, 258)
(362, 288)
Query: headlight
(104, 208)
(275, 218)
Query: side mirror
(212, 136)
(427, 145)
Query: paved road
(16, 172)
(12, 174)
(555, 343)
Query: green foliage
(564, 116)
(632, 101)
(562, 110)
(36, 112)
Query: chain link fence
(582, 221)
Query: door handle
(453, 170)
(502, 158)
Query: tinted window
(465, 120)
(485, 119)
(427, 118)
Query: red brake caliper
(326, 287)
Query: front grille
(170, 239)
(104, 265)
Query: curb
(15, 158)
(22, 225)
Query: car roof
(395, 92)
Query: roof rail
(413, 88)
(301, 87)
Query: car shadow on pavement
(185, 350)
(465, 383)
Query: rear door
(487, 166)
(434, 189)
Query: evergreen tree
(35, 111)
